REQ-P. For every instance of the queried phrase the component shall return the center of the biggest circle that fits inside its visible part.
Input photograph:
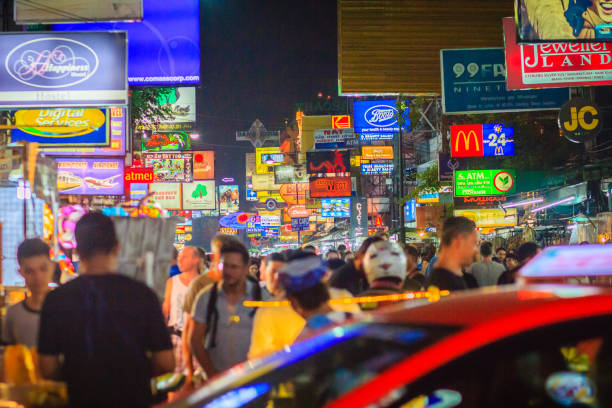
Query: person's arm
(157, 337)
(49, 366)
(167, 296)
(7, 328)
(197, 338)
(187, 356)
(162, 362)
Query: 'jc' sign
(580, 119)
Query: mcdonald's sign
(482, 140)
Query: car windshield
(320, 369)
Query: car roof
(468, 308)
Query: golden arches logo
(466, 140)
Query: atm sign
(482, 140)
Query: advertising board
(376, 168)
(294, 193)
(484, 182)
(410, 210)
(199, 195)
(330, 187)
(264, 182)
(270, 218)
(447, 165)
(333, 161)
(300, 224)
(290, 174)
(63, 69)
(62, 127)
(341, 121)
(168, 195)
(329, 139)
(429, 198)
(164, 47)
(336, 207)
(117, 140)
(376, 153)
(555, 65)
(378, 117)
(266, 158)
(490, 218)
(203, 165)
(159, 141)
(229, 199)
(90, 176)
(182, 102)
(482, 140)
(135, 175)
(479, 201)
(474, 81)
(58, 11)
(359, 217)
(170, 167)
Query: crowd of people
(106, 335)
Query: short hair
(341, 247)
(454, 227)
(293, 255)
(527, 251)
(95, 234)
(369, 241)
(409, 250)
(236, 248)
(332, 251)
(277, 257)
(311, 298)
(174, 252)
(500, 249)
(222, 240)
(486, 249)
(32, 247)
(310, 248)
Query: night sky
(259, 58)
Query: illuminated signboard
(266, 158)
(555, 65)
(341, 121)
(181, 101)
(428, 198)
(117, 140)
(300, 224)
(336, 161)
(378, 117)
(336, 207)
(270, 218)
(166, 141)
(171, 167)
(330, 187)
(199, 195)
(490, 217)
(57, 11)
(484, 182)
(376, 168)
(90, 176)
(410, 210)
(168, 195)
(140, 176)
(329, 139)
(62, 127)
(264, 182)
(376, 153)
(482, 140)
(479, 201)
(229, 199)
(290, 174)
(294, 193)
(203, 165)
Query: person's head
(97, 244)
(189, 260)
(459, 239)
(527, 251)
(35, 265)
(332, 254)
(342, 248)
(486, 249)
(385, 260)
(302, 280)
(202, 262)
(275, 262)
(254, 267)
(603, 8)
(217, 244)
(235, 263)
(501, 254)
(174, 255)
(511, 262)
(364, 248)
(309, 248)
(412, 258)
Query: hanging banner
(229, 199)
(170, 167)
(199, 195)
(203, 165)
(359, 217)
(490, 218)
(62, 127)
(484, 182)
(474, 81)
(376, 153)
(482, 140)
(166, 141)
(554, 65)
(329, 139)
(336, 161)
(63, 69)
(168, 195)
(90, 176)
(117, 140)
(330, 187)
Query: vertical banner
(359, 217)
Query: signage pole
(402, 213)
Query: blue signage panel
(300, 224)
(410, 207)
(371, 137)
(336, 207)
(164, 47)
(376, 168)
(474, 81)
(378, 118)
(63, 69)
(498, 140)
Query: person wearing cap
(385, 267)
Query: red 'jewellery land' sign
(555, 65)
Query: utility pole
(400, 168)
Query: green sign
(484, 182)
(166, 141)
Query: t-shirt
(350, 278)
(487, 273)
(444, 279)
(195, 287)
(104, 326)
(21, 325)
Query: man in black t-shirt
(108, 328)
(352, 276)
(458, 247)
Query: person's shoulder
(338, 293)
(12, 310)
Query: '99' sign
(482, 140)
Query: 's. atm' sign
(482, 140)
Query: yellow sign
(266, 158)
(66, 122)
(376, 152)
(264, 182)
(490, 217)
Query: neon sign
(482, 140)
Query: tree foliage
(427, 183)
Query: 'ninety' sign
(482, 140)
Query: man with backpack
(222, 326)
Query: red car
(531, 346)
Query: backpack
(212, 314)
